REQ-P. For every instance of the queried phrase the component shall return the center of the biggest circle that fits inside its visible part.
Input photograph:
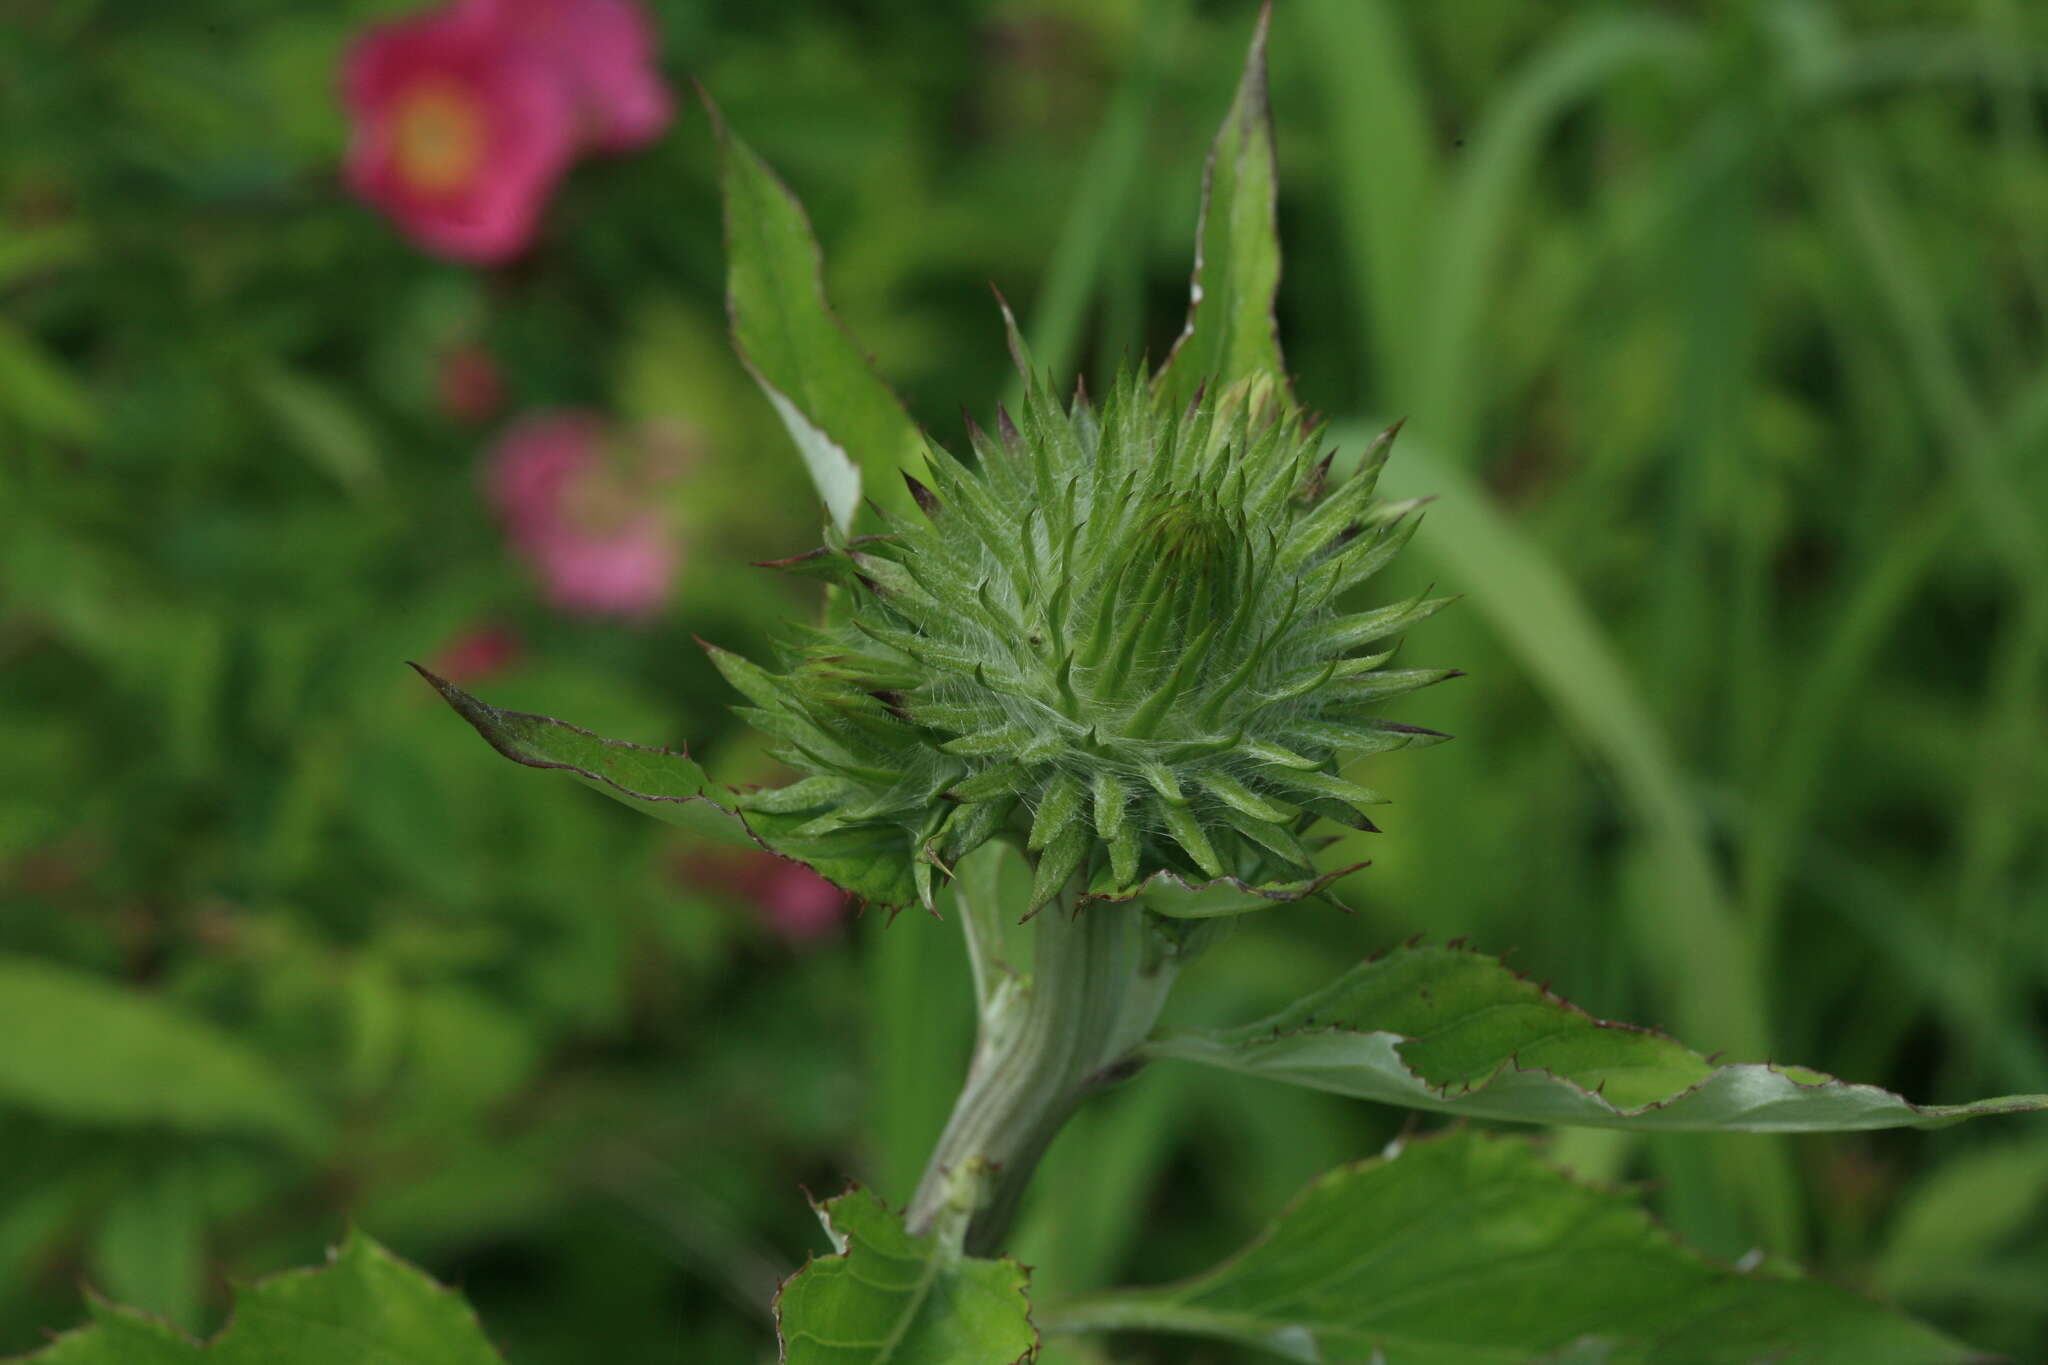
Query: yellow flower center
(437, 136)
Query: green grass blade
(1113, 179)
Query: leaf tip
(435, 680)
(1019, 352)
(927, 501)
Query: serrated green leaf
(888, 1298)
(1470, 1250)
(1456, 1031)
(869, 861)
(365, 1307)
(119, 1336)
(82, 1049)
(852, 431)
(1230, 336)
(872, 862)
(667, 785)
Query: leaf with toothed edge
(852, 431)
(661, 782)
(871, 862)
(886, 1297)
(1457, 1032)
(1230, 335)
(365, 1305)
(1468, 1249)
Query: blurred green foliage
(1723, 330)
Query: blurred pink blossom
(478, 653)
(458, 134)
(798, 906)
(604, 51)
(466, 116)
(583, 509)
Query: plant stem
(1100, 974)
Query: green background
(1723, 329)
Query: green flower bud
(1118, 633)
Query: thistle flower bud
(1119, 633)
(1181, 563)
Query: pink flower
(796, 904)
(579, 508)
(799, 905)
(604, 50)
(626, 573)
(478, 653)
(459, 135)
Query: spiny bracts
(1120, 635)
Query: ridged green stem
(1100, 974)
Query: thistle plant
(1096, 683)
(1116, 635)
(1087, 686)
